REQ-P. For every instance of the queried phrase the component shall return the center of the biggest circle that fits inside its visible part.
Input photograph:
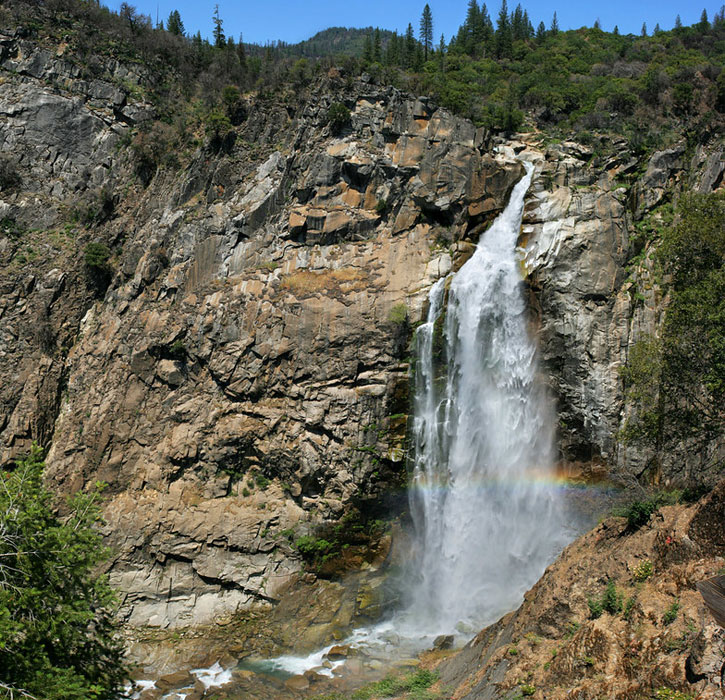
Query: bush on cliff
(677, 381)
(57, 629)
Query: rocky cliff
(241, 377)
(245, 374)
(617, 616)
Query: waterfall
(486, 518)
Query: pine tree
(442, 53)
(718, 20)
(704, 24)
(57, 629)
(597, 24)
(541, 32)
(487, 32)
(643, 32)
(174, 25)
(678, 22)
(657, 29)
(504, 45)
(426, 30)
(409, 47)
(218, 33)
(377, 47)
(517, 23)
(554, 25)
(368, 48)
(615, 31)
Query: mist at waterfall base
(487, 519)
(488, 513)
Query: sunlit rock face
(246, 372)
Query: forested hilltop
(502, 73)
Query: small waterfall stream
(487, 520)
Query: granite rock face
(246, 373)
(245, 376)
(594, 293)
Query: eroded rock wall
(245, 376)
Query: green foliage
(669, 694)
(312, 548)
(398, 314)
(643, 570)
(677, 382)
(595, 608)
(416, 685)
(629, 607)
(639, 513)
(177, 351)
(671, 613)
(96, 258)
(217, 124)
(610, 601)
(11, 228)
(338, 117)
(57, 629)
(527, 689)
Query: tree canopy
(57, 629)
(677, 380)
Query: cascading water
(487, 522)
(486, 516)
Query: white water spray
(487, 522)
(488, 517)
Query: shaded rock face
(246, 373)
(662, 636)
(592, 302)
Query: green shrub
(595, 608)
(398, 314)
(640, 512)
(97, 267)
(671, 613)
(338, 117)
(312, 548)
(610, 601)
(643, 570)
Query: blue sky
(295, 20)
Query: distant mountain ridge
(334, 41)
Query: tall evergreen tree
(409, 47)
(554, 25)
(218, 33)
(368, 48)
(541, 32)
(442, 52)
(174, 25)
(615, 31)
(643, 32)
(426, 30)
(678, 22)
(597, 24)
(377, 47)
(504, 44)
(704, 24)
(486, 29)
